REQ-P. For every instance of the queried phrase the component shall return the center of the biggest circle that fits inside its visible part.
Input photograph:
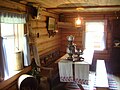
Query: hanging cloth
(26, 51)
(4, 72)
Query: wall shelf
(116, 46)
(66, 25)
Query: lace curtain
(10, 18)
(6, 17)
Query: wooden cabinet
(115, 50)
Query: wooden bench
(101, 76)
(48, 60)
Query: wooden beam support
(101, 6)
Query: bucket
(18, 60)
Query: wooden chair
(44, 80)
(47, 70)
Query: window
(13, 40)
(95, 35)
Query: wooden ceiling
(63, 6)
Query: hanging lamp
(78, 21)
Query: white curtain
(26, 52)
(13, 18)
(4, 72)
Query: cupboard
(115, 50)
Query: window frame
(105, 33)
(18, 33)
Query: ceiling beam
(102, 6)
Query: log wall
(68, 20)
(65, 28)
(43, 42)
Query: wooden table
(87, 55)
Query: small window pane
(94, 35)
(7, 29)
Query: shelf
(116, 46)
(66, 25)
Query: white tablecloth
(81, 73)
(80, 69)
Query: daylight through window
(95, 35)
